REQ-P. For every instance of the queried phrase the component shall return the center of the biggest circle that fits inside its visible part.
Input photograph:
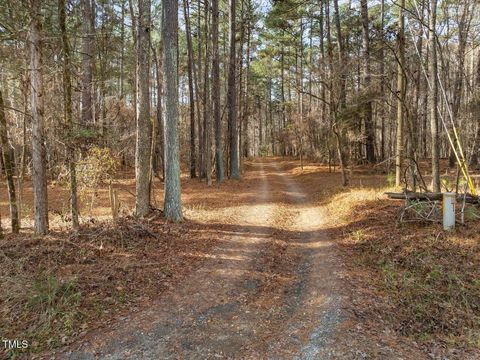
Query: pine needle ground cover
(412, 280)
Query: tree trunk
(122, 53)
(341, 94)
(144, 128)
(231, 96)
(193, 160)
(433, 72)
(206, 104)
(135, 66)
(463, 28)
(8, 164)
(67, 83)
(172, 201)
(159, 148)
(88, 59)
(198, 80)
(39, 169)
(245, 111)
(382, 81)
(369, 128)
(401, 94)
(216, 95)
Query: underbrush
(426, 281)
(58, 287)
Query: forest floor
(283, 264)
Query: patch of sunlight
(218, 256)
(342, 204)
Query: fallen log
(431, 196)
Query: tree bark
(193, 160)
(39, 170)
(369, 128)
(382, 81)
(220, 173)
(67, 83)
(401, 94)
(433, 99)
(206, 103)
(8, 164)
(231, 96)
(341, 94)
(144, 128)
(172, 201)
(159, 148)
(88, 59)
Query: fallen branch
(430, 196)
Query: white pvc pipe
(449, 211)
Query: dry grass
(424, 281)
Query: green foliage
(56, 304)
(446, 184)
(263, 151)
(85, 133)
(391, 179)
(472, 213)
(358, 236)
(53, 297)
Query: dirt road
(268, 290)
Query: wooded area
(207, 179)
(339, 82)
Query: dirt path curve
(268, 289)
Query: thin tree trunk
(382, 81)
(433, 72)
(231, 96)
(193, 160)
(88, 59)
(341, 94)
(8, 164)
(369, 128)
(39, 169)
(135, 66)
(21, 173)
(172, 202)
(206, 103)
(160, 148)
(245, 112)
(122, 53)
(67, 83)
(201, 143)
(216, 95)
(401, 95)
